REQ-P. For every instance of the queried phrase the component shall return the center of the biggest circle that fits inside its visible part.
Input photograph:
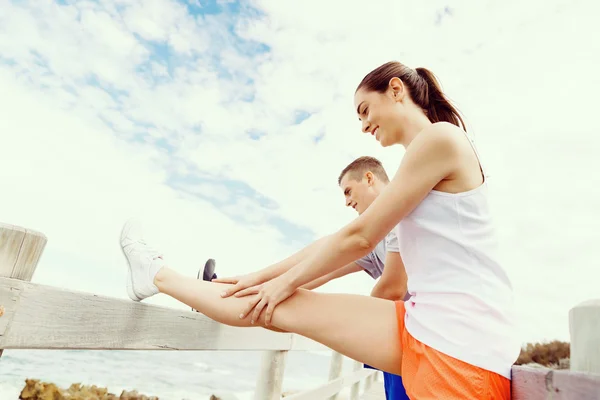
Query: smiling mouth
(374, 132)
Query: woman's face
(382, 114)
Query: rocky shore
(37, 390)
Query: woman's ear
(396, 87)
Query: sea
(169, 375)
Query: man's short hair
(359, 167)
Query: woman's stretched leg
(360, 327)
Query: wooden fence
(34, 316)
(44, 317)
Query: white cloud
(524, 75)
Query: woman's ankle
(162, 277)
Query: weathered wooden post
(20, 251)
(584, 327)
(355, 391)
(335, 369)
(270, 378)
(369, 382)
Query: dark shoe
(208, 273)
(209, 270)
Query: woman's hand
(240, 283)
(269, 295)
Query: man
(361, 182)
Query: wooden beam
(375, 393)
(547, 384)
(355, 391)
(270, 378)
(584, 327)
(335, 369)
(43, 317)
(20, 252)
(329, 389)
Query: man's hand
(240, 283)
(269, 295)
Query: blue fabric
(394, 388)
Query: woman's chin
(387, 141)
(384, 143)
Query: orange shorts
(428, 374)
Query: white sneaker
(143, 261)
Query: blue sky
(225, 127)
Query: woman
(455, 337)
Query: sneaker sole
(209, 270)
(129, 282)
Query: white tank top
(461, 300)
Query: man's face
(359, 193)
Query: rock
(36, 390)
(564, 363)
(224, 396)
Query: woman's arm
(431, 157)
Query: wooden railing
(43, 317)
(37, 316)
(582, 380)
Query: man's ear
(370, 178)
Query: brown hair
(423, 87)
(361, 166)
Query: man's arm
(393, 282)
(345, 270)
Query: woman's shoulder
(443, 131)
(441, 138)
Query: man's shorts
(394, 389)
(429, 374)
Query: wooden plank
(330, 388)
(8, 300)
(20, 251)
(44, 317)
(355, 391)
(270, 378)
(545, 384)
(584, 327)
(29, 256)
(377, 392)
(11, 239)
(335, 369)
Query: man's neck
(379, 186)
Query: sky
(224, 125)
